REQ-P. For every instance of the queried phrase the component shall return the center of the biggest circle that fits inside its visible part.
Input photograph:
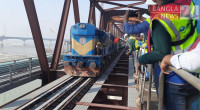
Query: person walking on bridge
(131, 42)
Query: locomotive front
(85, 58)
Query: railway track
(62, 96)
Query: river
(16, 49)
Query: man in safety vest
(131, 42)
(171, 36)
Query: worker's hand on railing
(139, 67)
(145, 65)
(127, 53)
(143, 47)
(165, 63)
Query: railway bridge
(114, 89)
(61, 91)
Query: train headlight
(82, 26)
(75, 27)
(93, 65)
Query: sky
(14, 22)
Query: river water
(16, 49)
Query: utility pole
(4, 30)
(27, 31)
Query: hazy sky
(14, 22)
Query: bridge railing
(191, 79)
(13, 72)
(27, 63)
(140, 78)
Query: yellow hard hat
(98, 43)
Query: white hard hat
(125, 35)
(150, 2)
(145, 15)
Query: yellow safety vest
(178, 30)
(132, 37)
(148, 20)
(144, 45)
(136, 44)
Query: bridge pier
(1, 43)
(24, 43)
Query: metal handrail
(191, 79)
(141, 79)
(161, 92)
(149, 89)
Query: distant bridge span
(23, 39)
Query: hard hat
(150, 2)
(125, 36)
(145, 15)
(98, 43)
(141, 34)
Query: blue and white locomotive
(91, 49)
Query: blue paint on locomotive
(91, 52)
(74, 59)
(88, 29)
(85, 36)
(84, 40)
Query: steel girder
(111, 21)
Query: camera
(133, 13)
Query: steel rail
(68, 104)
(52, 98)
(72, 101)
(64, 92)
(57, 94)
(54, 102)
(45, 94)
(63, 103)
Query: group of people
(170, 43)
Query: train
(91, 50)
